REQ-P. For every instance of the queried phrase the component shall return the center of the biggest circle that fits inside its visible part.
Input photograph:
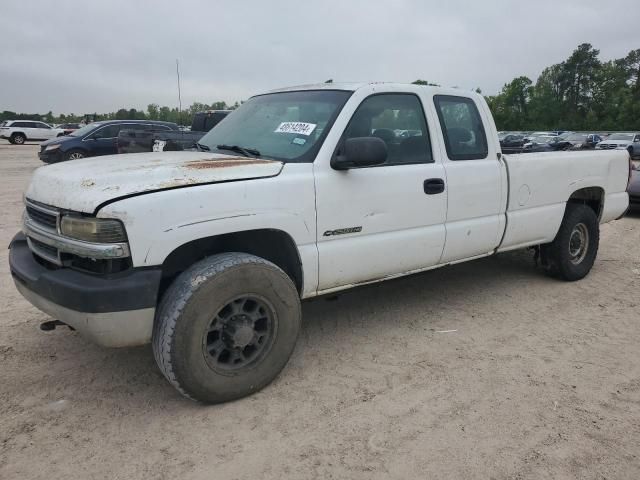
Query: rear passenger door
(42, 131)
(29, 129)
(383, 220)
(475, 179)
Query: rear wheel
(17, 139)
(226, 327)
(572, 253)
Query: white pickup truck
(299, 192)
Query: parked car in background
(19, 131)
(581, 141)
(67, 128)
(622, 141)
(541, 143)
(541, 134)
(513, 143)
(138, 141)
(634, 187)
(99, 138)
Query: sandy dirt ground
(484, 370)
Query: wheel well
(13, 134)
(593, 197)
(274, 245)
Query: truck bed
(541, 183)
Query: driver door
(385, 220)
(105, 140)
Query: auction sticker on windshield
(300, 128)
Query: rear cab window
(462, 127)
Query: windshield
(81, 132)
(287, 126)
(577, 137)
(621, 136)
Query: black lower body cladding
(133, 289)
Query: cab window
(462, 127)
(398, 120)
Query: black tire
(74, 154)
(572, 253)
(193, 307)
(18, 139)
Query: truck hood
(83, 185)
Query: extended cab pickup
(301, 192)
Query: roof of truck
(353, 86)
(324, 86)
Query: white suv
(19, 131)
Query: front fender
(157, 223)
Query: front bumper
(111, 310)
(50, 156)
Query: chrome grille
(608, 146)
(43, 250)
(45, 219)
(42, 217)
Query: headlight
(52, 147)
(96, 230)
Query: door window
(398, 120)
(110, 131)
(464, 134)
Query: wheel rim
(19, 140)
(578, 243)
(75, 156)
(240, 334)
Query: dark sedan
(512, 143)
(579, 141)
(542, 143)
(98, 138)
(67, 128)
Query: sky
(85, 56)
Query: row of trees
(153, 112)
(581, 93)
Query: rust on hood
(222, 163)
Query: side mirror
(360, 152)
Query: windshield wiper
(247, 152)
(202, 147)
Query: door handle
(433, 186)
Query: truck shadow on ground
(330, 325)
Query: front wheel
(226, 327)
(74, 155)
(572, 253)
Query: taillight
(630, 171)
